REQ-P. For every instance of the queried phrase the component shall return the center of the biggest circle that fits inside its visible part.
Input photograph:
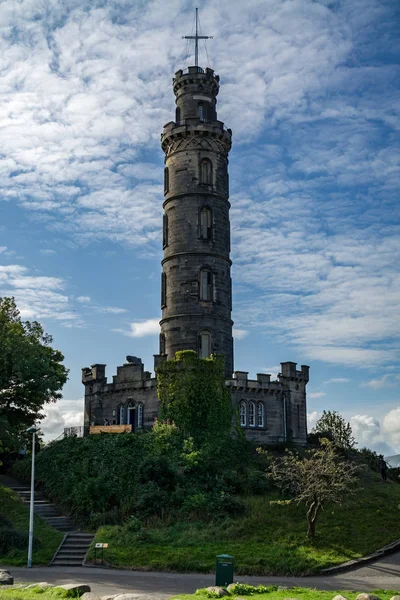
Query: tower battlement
(196, 76)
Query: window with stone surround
(120, 414)
(163, 290)
(205, 223)
(140, 415)
(200, 111)
(165, 231)
(166, 180)
(242, 413)
(162, 343)
(252, 411)
(204, 344)
(206, 171)
(260, 414)
(206, 285)
(177, 115)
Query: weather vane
(197, 37)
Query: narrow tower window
(206, 171)
(162, 343)
(140, 416)
(206, 286)
(165, 231)
(242, 413)
(260, 414)
(252, 414)
(205, 344)
(200, 112)
(163, 290)
(177, 115)
(205, 224)
(166, 180)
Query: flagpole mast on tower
(196, 39)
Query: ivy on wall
(193, 395)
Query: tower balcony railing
(198, 123)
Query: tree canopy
(31, 371)
(334, 427)
(322, 477)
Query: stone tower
(196, 286)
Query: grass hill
(269, 539)
(163, 502)
(14, 530)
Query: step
(78, 546)
(71, 554)
(63, 563)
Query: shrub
(11, 539)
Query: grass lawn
(294, 592)
(268, 540)
(13, 509)
(37, 593)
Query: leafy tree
(31, 371)
(193, 395)
(322, 477)
(333, 426)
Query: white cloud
(37, 296)
(316, 394)
(65, 413)
(142, 328)
(336, 380)
(273, 371)
(386, 381)
(240, 334)
(47, 251)
(83, 299)
(312, 418)
(112, 310)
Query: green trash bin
(224, 570)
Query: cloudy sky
(311, 92)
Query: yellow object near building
(110, 428)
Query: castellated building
(196, 284)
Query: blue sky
(311, 92)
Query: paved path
(383, 574)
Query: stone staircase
(73, 548)
(45, 509)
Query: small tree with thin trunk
(322, 477)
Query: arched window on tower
(200, 111)
(206, 171)
(165, 231)
(206, 285)
(252, 411)
(166, 180)
(260, 414)
(140, 415)
(204, 344)
(162, 343)
(205, 223)
(177, 115)
(163, 290)
(242, 413)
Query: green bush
(105, 479)
(11, 539)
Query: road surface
(382, 574)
